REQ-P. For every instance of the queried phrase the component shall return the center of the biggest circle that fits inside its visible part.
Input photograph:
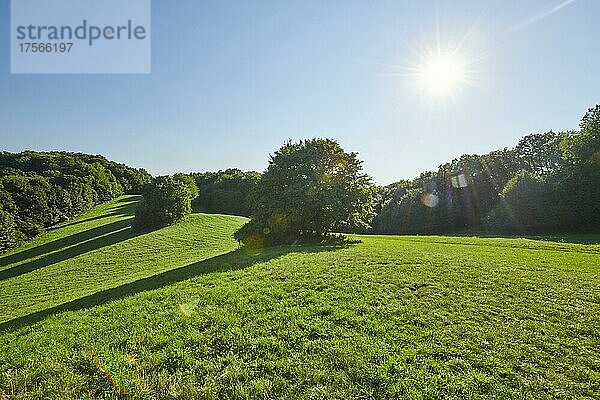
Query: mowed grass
(180, 313)
(101, 250)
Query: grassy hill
(94, 310)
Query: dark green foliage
(578, 188)
(524, 206)
(310, 189)
(555, 187)
(541, 153)
(225, 192)
(583, 148)
(40, 189)
(188, 181)
(166, 201)
(9, 236)
(31, 198)
(453, 199)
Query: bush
(310, 189)
(166, 201)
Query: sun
(439, 70)
(441, 74)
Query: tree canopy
(41, 189)
(311, 188)
(225, 192)
(549, 182)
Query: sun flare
(441, 74)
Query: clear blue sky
(231, 81)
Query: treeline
(548, 183)
(167, 199)
(225, 192)
(41, 189)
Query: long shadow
(120, 231)
(231, 261)
(127, 208)
(96, 218)
(63, 242)
(584, 238)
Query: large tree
(311, 188)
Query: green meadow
(96, 310)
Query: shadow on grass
(72, 245)
(111, 234)
(122, 210)
(231, 261)
(127, 207)
(584, 238)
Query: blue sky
(231, 81)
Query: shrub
(189, 182)
(166, 201)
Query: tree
(526, 206)
(310, 189)
(578, 188)
(9, 236)
(584, 147)
(166, 200)
(541, 153)
(30, 195)
(189, 182)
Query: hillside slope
(99, 251)
(179, 313)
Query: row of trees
(225, 192)
(548, 183)
(41, 189)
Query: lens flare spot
(430, 200)
(183, 310)
(459, 181)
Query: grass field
(94, 310)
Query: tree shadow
(126, 209)
(234, 260)
(68, 241)
(114, 233)
(581, 238)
